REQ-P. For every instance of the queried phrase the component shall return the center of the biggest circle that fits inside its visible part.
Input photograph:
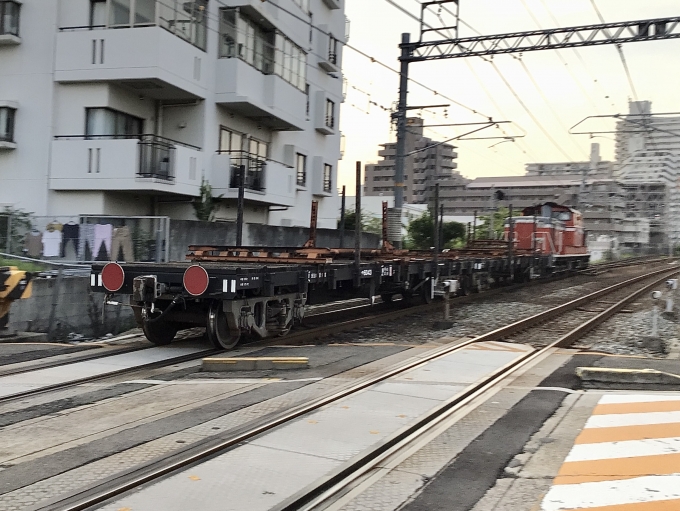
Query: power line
(579, 56)
(377, 61)
(545, 99)
(620, 50)
(566, 65)
(490, 96)
(510, 87)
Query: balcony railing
(156, 158)
(251, 166)
(187, 20)
(330, 121)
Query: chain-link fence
(84, 239)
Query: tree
(14, 224)
(498, 225)
(206, 205)
(421, 233)
(369, 223)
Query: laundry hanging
(71, 233)
(122, 240)
(51, 243)
(33, 244)
(102, 235)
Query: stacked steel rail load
(263, 291)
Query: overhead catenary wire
(375, 60)
(414, 17)
(619, 48)
(564, 62)
(547, 102)
(510, 88)
(579, 56)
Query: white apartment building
(123, 107)
(648, 166)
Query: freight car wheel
(160, 333)
(218, 329)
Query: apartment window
(243, 38)
(105, 122)
(301, 168)
(125, 13)
(230, 141)
(97, 13)
(327, 177)
(7, 124)
(307, 91)
(330, 114)
(332, 50)
(258, 149)
(9, 17)
(265, 49)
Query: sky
(543, 93)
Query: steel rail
(117, 485)
(88, 379)
(392, 313)
(315, 497)
(330, 326)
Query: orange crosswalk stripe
(648, 407)
(573, 472)
(623, 433)
(661, 505)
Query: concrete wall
(78, 309)
(186, 232)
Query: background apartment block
(427, 162)
(648, 167)
(123, 107)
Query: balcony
(149, 60)
(145, 163)
(325, 113)
(265, 98)
(266, 182)
(328, 50)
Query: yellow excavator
(15, 284)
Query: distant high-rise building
(427, 162)
(648, 167)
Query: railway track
(323, 493)
(319, 325)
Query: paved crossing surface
(627, 458)
(263, 473)
(44, 378)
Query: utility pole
(241, 196)
(441, 223)
(511, 241)
(436, 231)
(492, 209)
(357, 226)
(400, 116)
(342, 218)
